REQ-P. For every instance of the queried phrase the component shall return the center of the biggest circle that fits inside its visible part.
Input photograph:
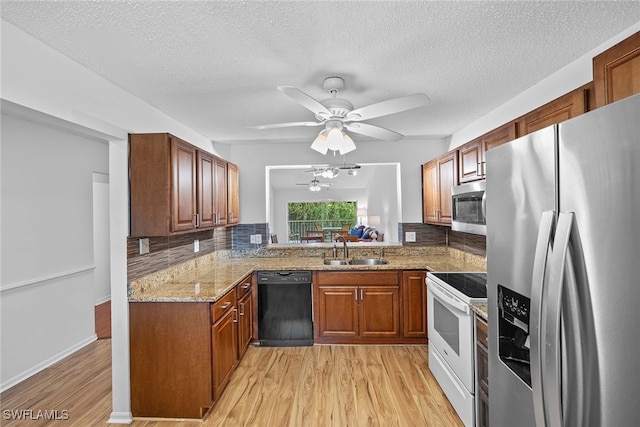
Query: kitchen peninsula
(194, 321)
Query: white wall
(47, 273)
(252, 159)
(101, 236)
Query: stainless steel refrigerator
(563, 273)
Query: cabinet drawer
(368, 278)
(222, 306)
(243, 288)
(481, 332)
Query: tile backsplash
(169, 251)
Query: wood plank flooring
(320, 385)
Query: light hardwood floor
(321, 385)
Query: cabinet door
(447, 179)
(566, 107)
(233, 196)
(183, 186)
(499, 136)
(616, 72)
(220, 193)
(414, 300)
(245, 322)
(471, 166)
(430, 191)
(338, 311)
(206, 184)
(225, 350)
(379, 311)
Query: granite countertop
(208, 279)
(481, 310)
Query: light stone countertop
(208, 278)
(481, 310)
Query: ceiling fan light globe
(320, 144)
(347, 145)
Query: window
(320, 216)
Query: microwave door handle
(445, 298)
(543, 243)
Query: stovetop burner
(473, 285)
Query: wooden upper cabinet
(616, 71)
(471, 161)
(499, 136)
(233, 196)
(183, 186)
(566, 107)
(220, 193)
(174, 186)
(206, 188)
(438, 179)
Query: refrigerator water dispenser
(513, 328)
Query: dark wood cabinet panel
(244, 292)
(224, 341)
(338, 312)
(564, 108)
(482, 372)
(233, 197)
(471, 161)
(414, 297)
(357, 306)
(379, 317)
(170, 359)
(220, 193)
(499, 136)
(206, 188)
(616, 71)
(439, 176)
(183, 186)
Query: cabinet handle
(197, 220)
(479, 169)
(225, 305)
(246, 286)
(236, 313)
(241, 309)
(361, 295)
(356, 295)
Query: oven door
(451, 331)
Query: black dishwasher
(285, 311)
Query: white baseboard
(120, 418)
(41, 366)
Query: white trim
(102, 300)
(50, 361)
(120, 418)
(41, 280)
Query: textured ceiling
(215, 65)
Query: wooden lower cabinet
(414, 303)
(170, 359)
(224, 341)
(182, 355)
(482, 372)
(357, 307)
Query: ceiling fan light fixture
(320, 144)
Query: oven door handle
(445, 297)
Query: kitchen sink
(336, 262)
(368, 261)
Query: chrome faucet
(344, 245)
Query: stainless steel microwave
(469, 208)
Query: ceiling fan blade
(285, 125)
(305, 100)
(391, 106)
(373, 131)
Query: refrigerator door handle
(543, 244)
(560, 269)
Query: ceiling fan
(337, 114)
(316, 185)
(332, 171)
